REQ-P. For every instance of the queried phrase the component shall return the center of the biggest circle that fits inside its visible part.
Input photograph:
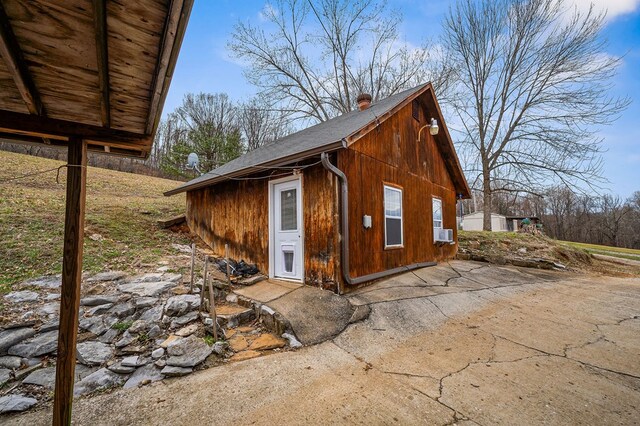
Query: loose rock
(293, 342)
(172, 338)
(139, 326)
(266, 342)
(132, 361)
(50, 281)
(107, 276)
(154, 332)
(39, 345)
(14, 336)
(173, 371)
(100, 309)
(143, 375)
(13, 403)
(5, 376)
(184, 319)
(94, 353)
(188, 352)
(145, 302)
(157, 353)
(187, 331)
(21, 296)
(152, 315)
(122, 310)
(98, 300)
(109, 336)
(126, 339)
(101, 379)
(146, 289)
(45, 377)
(121, 369)
(11, 362)
(180, 305)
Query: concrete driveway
(464, 343)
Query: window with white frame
(437, 213)
(392, 216)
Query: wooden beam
(174, 29)
(32, 125)
(71, 278)
(100, 24)
(12, 55)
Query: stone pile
(132, 331)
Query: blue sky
(204, 65)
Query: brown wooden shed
(365, 195)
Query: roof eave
(258, 167)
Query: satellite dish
(193, 162)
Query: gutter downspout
(344, 230)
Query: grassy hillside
(621, 252)
(120, 231)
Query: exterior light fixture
(433, 128)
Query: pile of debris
(132, 331)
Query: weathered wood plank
(14, 59)
(168, 223)
(175, 27)
(71, 278)
(102, 57)
(12, 122)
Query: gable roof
(328, 136)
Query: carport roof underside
(96, 70)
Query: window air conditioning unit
(443, 235)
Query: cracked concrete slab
(510, 346)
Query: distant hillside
(120, 233)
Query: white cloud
(266, 12)
(613, 8)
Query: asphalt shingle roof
(328, 134)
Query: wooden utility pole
(71, 278)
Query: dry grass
(122, 210)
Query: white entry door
(287, 249)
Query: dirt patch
(535, 251)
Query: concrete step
(231, 316)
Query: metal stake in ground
(226, 260)
(205, 280)
(193, 262)
(212, 311)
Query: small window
(437, 213)
(392, 217)
(415, 110)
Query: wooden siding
(237, 213)
(391, 154)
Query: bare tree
(315, 57)
(260, 123)
(532, 80)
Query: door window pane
(288, 212)
(288, 261)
